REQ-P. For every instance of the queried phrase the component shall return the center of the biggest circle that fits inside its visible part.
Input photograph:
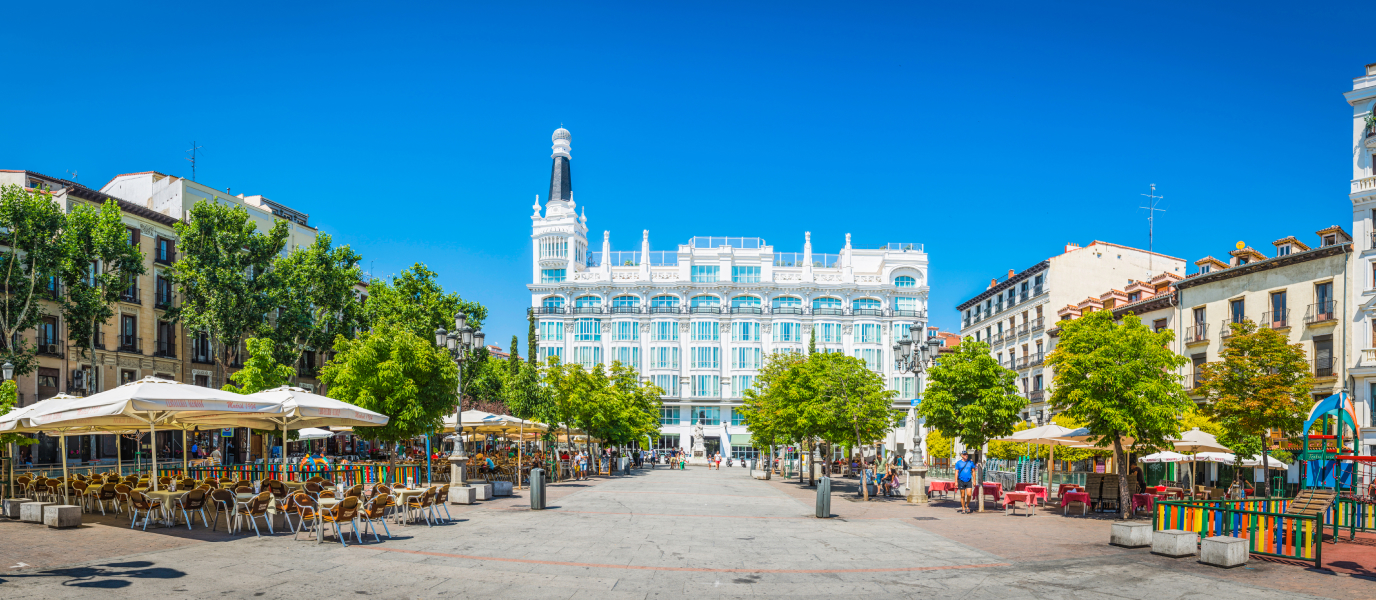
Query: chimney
(992, 283)
(1072, 246)
(1010, 273)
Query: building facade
(699, 320)
(1013, 315)
(1360, 319)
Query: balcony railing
(1037, 359)
(305, 371)
(1191, 381)
(788, 310)
(704, 310)
(1039, 324)
(1227, 330)
(99, 341)
(202, 356)
(1276, 319)
(746, 310)
(131, 296)
(164, 258)
(625, 310)
(162, 301)
(1023, 363)
(1037, 395)
(1369, 360)
(828, 311)
(998, 337)
(1022, 329)
(1197, 333)
(1321, 312)
(587, 310)
(547, 310)
(1323, 367)
(1373, 240)
(871, 312)
(166, 349)
(49, 347)
(899, 312)
(129, 343)
(664, 310)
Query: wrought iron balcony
(828, 311)
(746, 310)
(898, 312)
(587, 310)
(1321, 312)
(869, 312)
(664, 310)
(162, 301)
(625, 310)
(1039, 323)
(1324, 367)
(704, 310)
(129, 343)
(1276, 319)
(131, 296)
(788, 310)
(49, 347)
(546, 310)
(1226, 331)
(166, 349)
(1037, 396)
(202, 356)
(1199, 332)
(164, 258)
(1037, 359)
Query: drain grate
(926, 519)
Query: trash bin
(824, 498)
(537, 489)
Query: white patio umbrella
(302, 409)
(1195, 441)
(313, 433)
(1051, 435)
(1163, 457)
(148, 402)
(1255, 462)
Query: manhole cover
(926, 519)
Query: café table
(1068, 497)
(1146, 501)
(940, 486)
(323, 504)
(1022, 485)
(1069, 487)
(1011, 500)
(403, 495)
(166, 498)
(1039, 491)
(993, 489)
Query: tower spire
(560, 181)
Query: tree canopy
(1121, 382)
(314, 297)
(31, 253)
(415, 300)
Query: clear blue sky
(993, 134)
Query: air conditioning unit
(51, 348)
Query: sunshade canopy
(1164, 457)
(1195, 440)
(150, 399)
(1046, 434)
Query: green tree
(775, 410)
(397, 373)
(98, 262)
(852, 404)
(314, 296)
(940, 446)
(970, 396)
(261, 371)
(415, 300)
(223, 274)
(812, 342)
(31, 243)
(1260, 384)
(1121, 382)
(532, 340)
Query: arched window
(865, 306)
(904, 281)
(787, 301)
(625, 302)
(553, 302)
(664, 301)
(583, 301)
(704, 301)
(739, 301)
(824, 306)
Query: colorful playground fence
(1261, 521)
(345, 474)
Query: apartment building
(1297, 291)
(1012, 314)
(1361, 301)
(698, 320)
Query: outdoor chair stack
(1109, 493)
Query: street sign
(227, 432)
(916, 401)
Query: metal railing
(131, 296)
(587, 310)
(900, 312)
(164, 258)
(746, 310)
(1276, 319)
(1199, 332)
(868, 312)
(1323, 367)
(546, 310)
(1226, 331)
(49, 347)
(787, 310)
(1037, 395)
(704, 310)
(1037, 359)
(1039, 323)
(1321, 312)
(129, 343)
(166, 349)
(664, 310)
(202, 355)
(625, 310)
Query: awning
(740, 439)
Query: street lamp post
(916, 360)
(460, 344)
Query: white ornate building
(699, 319)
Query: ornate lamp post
(460, 343)
(914, 356)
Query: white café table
(166, 498)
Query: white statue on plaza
(699, 448)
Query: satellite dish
(1241, 245)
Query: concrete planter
(501, 488)
(1175, 543)
(32, 512)
(11, 506)
(1223, 551)
(1131, 534)
(62, 516)
(463, 495)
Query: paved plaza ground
(654, 534)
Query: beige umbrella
(1050, 435)
(1195, 441)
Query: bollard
(537, 489)
(824, 498)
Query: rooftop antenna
(192, 159)
(1152, 199)
(72, 174)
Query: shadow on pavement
(106, 576)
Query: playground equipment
(1330, 460)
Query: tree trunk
(1266, 468)
(864, 485)
(1120, 460)
(391, 461)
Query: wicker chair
(376, 512)
(305, 512)
(108, 493)
(257, 507)
(422, 505)
(356, 491)
(225, 502)
(442, 501)
(141, 503)
(345, 512)
(193, 501)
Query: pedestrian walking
(965, 472)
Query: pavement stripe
(675, 516)
(687, 569)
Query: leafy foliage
(970, 396)
(9, 396)
(31, 252)
(1121, 382)
(1262, 383)
(98, 262)
(314, 296)
(414, 300)
(261, 372)
(612, 405)
(222, 272)
(397, 373)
